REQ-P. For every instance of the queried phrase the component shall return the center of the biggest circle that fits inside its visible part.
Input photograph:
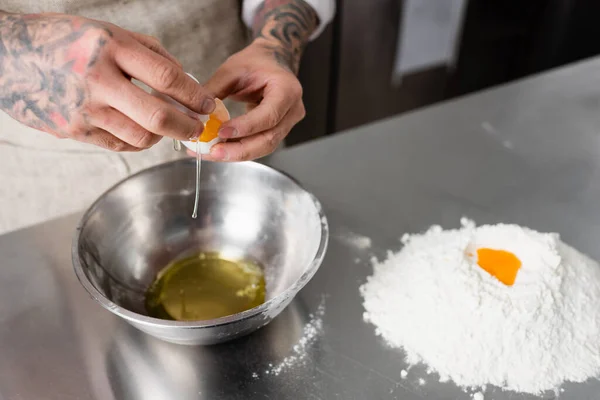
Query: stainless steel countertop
(527, 153)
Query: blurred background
(385, 57)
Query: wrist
(266, 42)
(286, 56)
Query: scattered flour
(403, 374)
(478, 396)
(421, 381)
(434, 301)
(310, 332)
(357, 241)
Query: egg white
(204, 146)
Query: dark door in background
(347, 72)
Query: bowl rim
(148, 321)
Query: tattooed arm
(263, 75)
(71, 77)
(284, 27)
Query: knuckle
(94, 78)
(98, 39)
(158, 119)
(78, 133)
(55, 134)
(117, 145)
(233, 66)
(273, 116)
(91, 109)
(143, 140)
(152, 39)
(242, 155)
(272, 140)
(229, 68)
(296, 89)
(153, 43)
(197, 95)
(231, 59)
(165, 76)
(302, 112)
(95, 32)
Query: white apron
(42, 177)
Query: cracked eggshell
(204, 146)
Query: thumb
(223, 83)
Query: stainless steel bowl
(247, 210)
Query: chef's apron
(42, 177)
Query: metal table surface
(527, 153)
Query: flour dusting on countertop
(310, 333)
(356, 241)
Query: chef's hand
(71, 77)
(263, 75)
(274, 98)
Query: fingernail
(228, 133)
(208, 106)
(219, 153)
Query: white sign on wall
(428, 36)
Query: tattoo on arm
(285, 27)
(43, 60)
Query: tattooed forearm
(284, 27)
(43, 60)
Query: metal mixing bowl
(247, 210)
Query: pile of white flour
(436, 303)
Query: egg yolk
(211, 129)
(501, 264)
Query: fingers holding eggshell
(210, 135)
(258, 145)
(165, 77)
(153, 114)
(245, 149)
(223, 82)
(275, 105)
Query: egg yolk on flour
(501, 264)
